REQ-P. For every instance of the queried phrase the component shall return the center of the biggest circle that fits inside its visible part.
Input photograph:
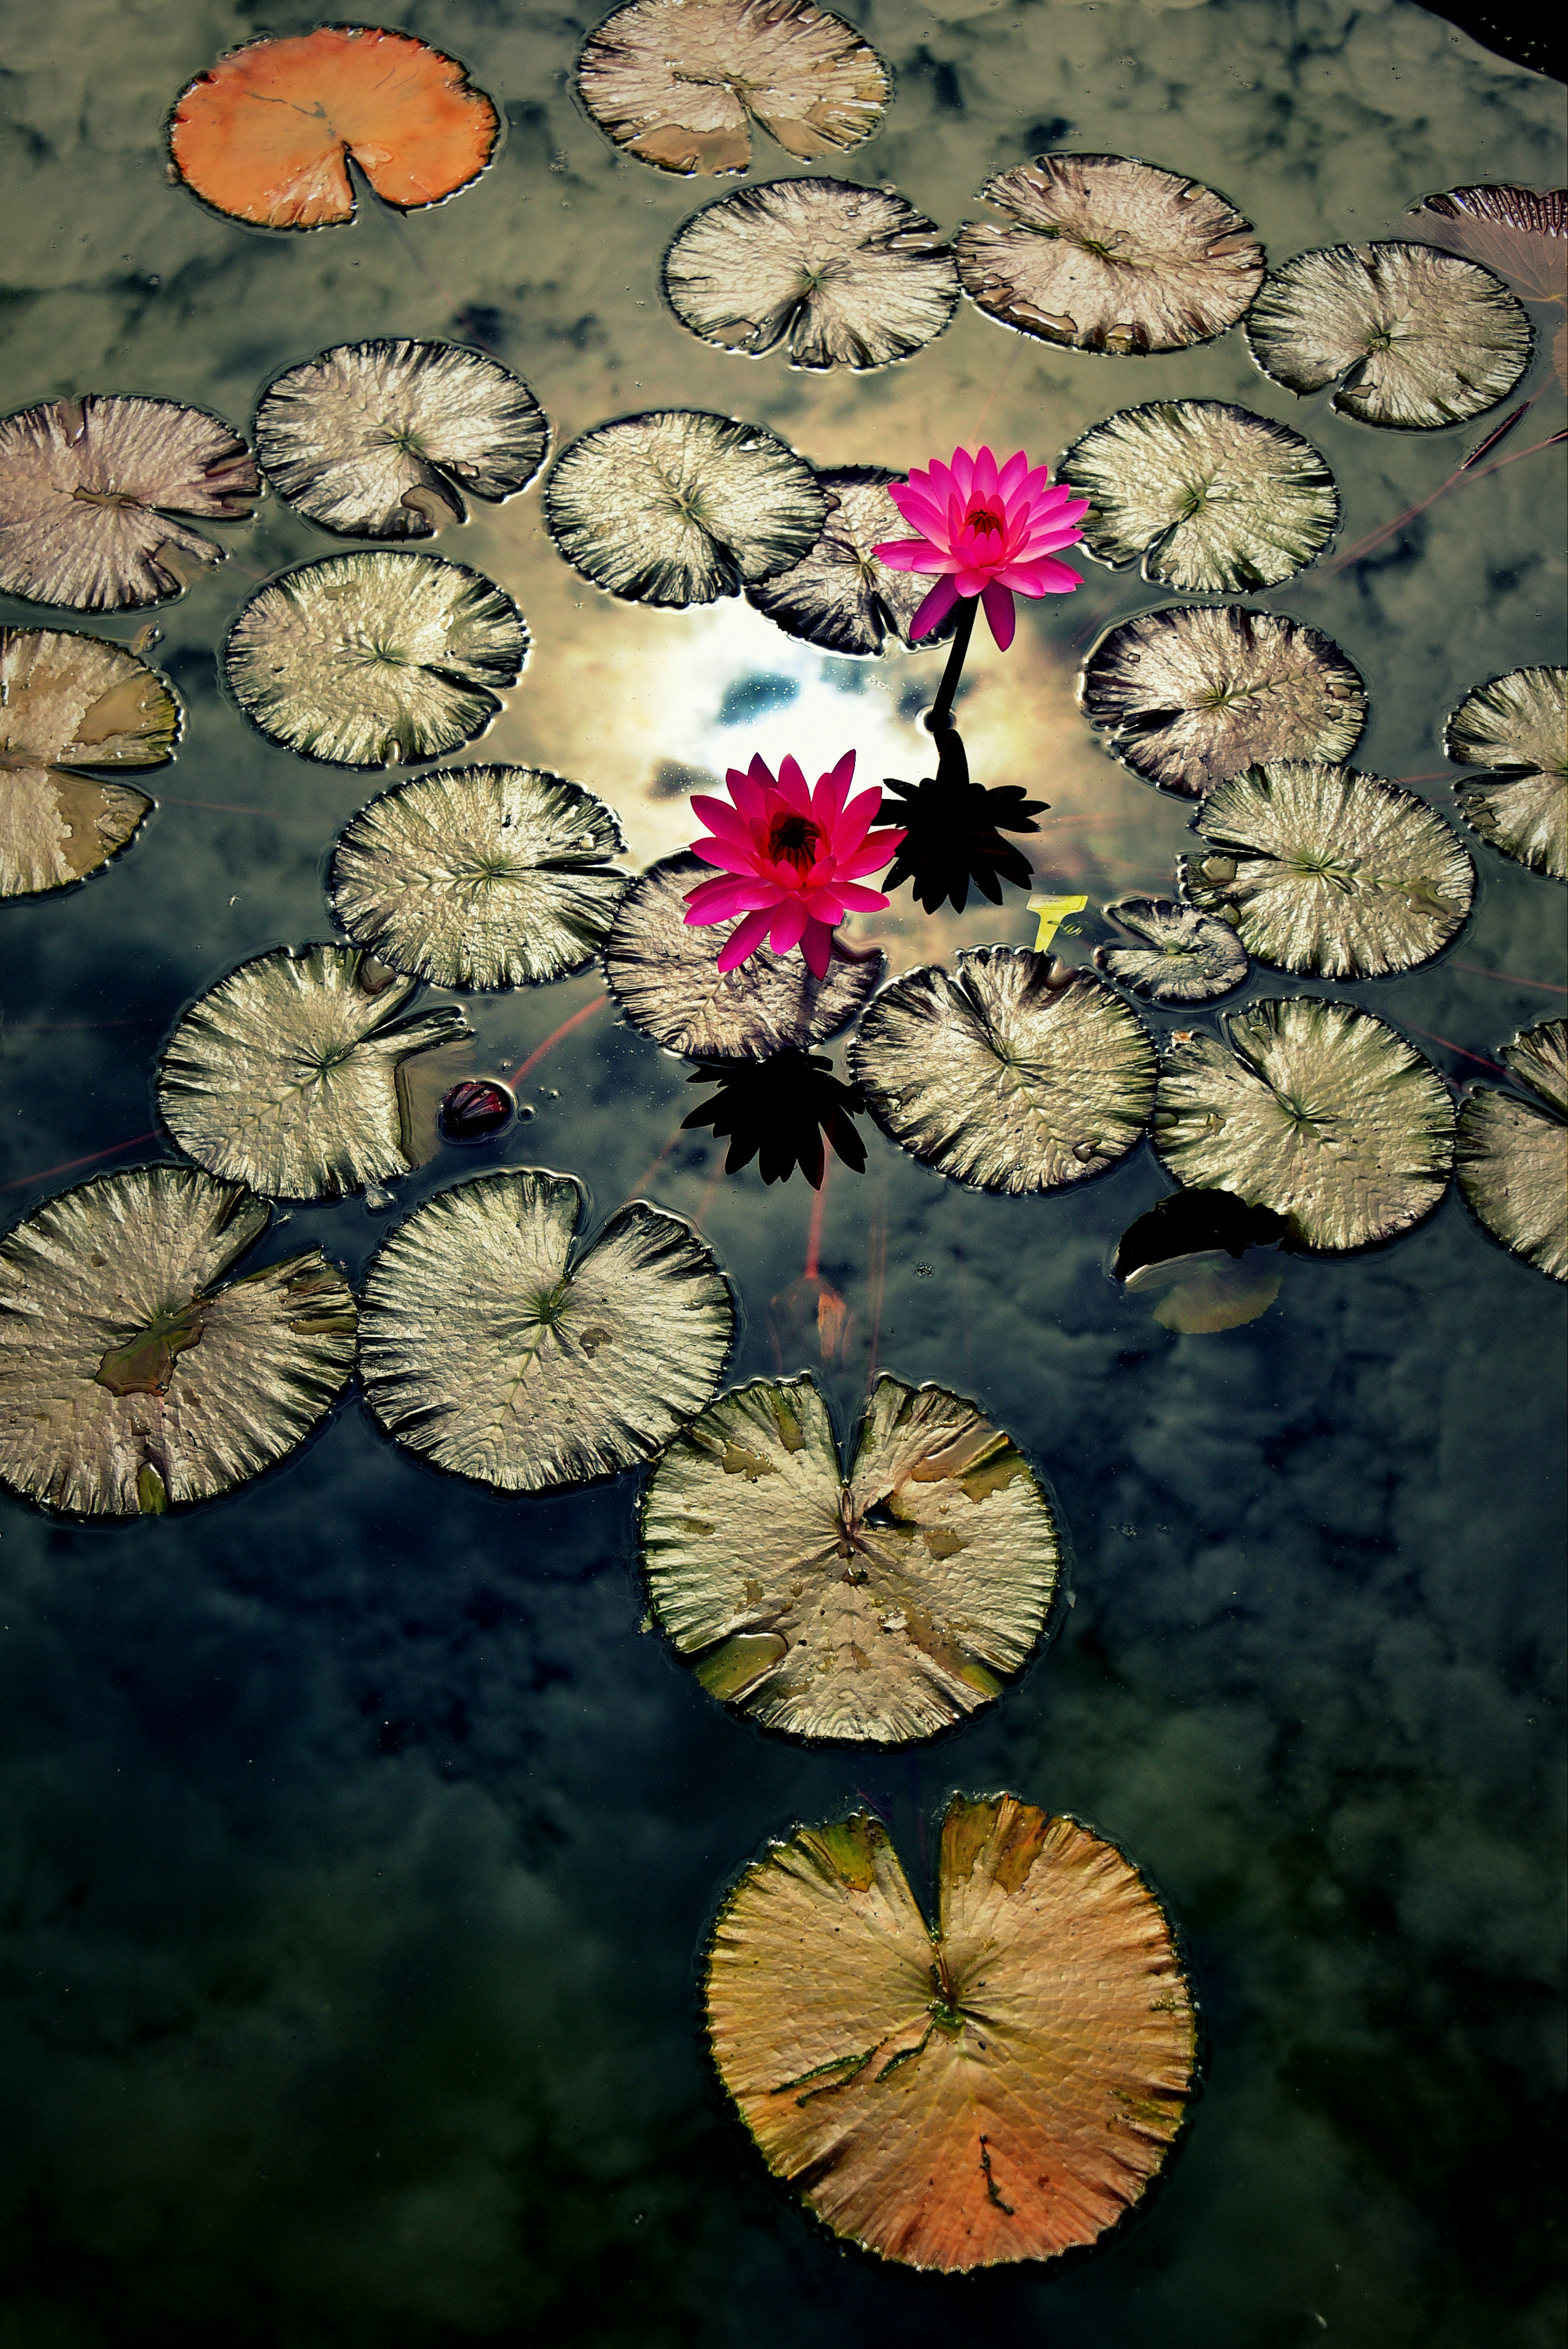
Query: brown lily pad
(1516, 727)
(1519, 234)
(1511, 1156)
(71, 703)
(839, 596)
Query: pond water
(362, 1836)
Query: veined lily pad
(1513, 1153)
(1313, 1108)
(1327, 872)
(67, 703)
(679, 83)
(838, 595)
(679, 507)
(665, 977)
(1190, 695)
(1187, 957)
(366, 660)
(90, 490)
(1410, 336)
(381, 439)
(841, 275)
(492, 1349)
(1009, 1074)
(1107, 254)
(480, 876)
(1518, 726)
(1000, 2087)
(131, 1375)
(882, 1605)
(1519, 234)
(1202, 495)
(284, 1075)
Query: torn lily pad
(1190, 695)
(132, 1375)
(1512, 1155)
(371, 660)
(1316, 1110)
(284, 1075)
(1202, 495)
(496, 1348)
(92, 495)
(680, 507)
(1521, 235)
(1009, 1072)
(1207, 1261)
(480, 876)
(1001, 2086)
(838, 595)
(878, 1605)
(1186, 956)
(1105, 254)
(1409, 336)
(1516, 725)
(69, 703)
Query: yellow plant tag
(1053, 913)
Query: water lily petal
(816, 946)
(934, 610)
(789, 922)
(858, 900)
(721, 901)
(910, 555)
(998, 613)
(746, 938)
(878, 848)
(963, 472)
(1015, 476)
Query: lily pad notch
(70, 704)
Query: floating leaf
(781, 1111)
(69, 702)
(1411, 337)
(679, 83)
(878, 1606)
(1002, 2087)
(1517, 725)
(1211, 1261)
(369, 659)
(284, 1075)
(1521, 235)
(381, 439)
(480, 876)
(129, 1377)
(838, 595)
(1511, 1156)
(1108, 253)
(1329, 873)
(679, 507)
(666, 979)
(1191, 695)
(1187, 957)
(1202, 494)
(1009, 1074)
(89, 492)
(265, 134)
(488, 1348)
(1316, 1110)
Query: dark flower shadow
(781, 1111)
(953, 832)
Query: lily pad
(1210, 1261)
(1190, 695)
(284, 1075)
(1410, 336)
(131, 1375)
(1330, 873)
(90, 490)
(490, 1347)
(366, 660)
(1187, 957)
(679, 83)
(1513, 1153)
(1519, 234)
(840, 275)
(382, 440)
(838, 595)
(1202, 495)
(1002, 2087)
(1007, 1074)
(680, 507)
(1517, 726)
(67, 703)
(880, 1605)
(1316, 1110)
(480, 876)
(1105, 254)
(665, 977)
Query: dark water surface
(358, 1845)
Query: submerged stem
(939, 717)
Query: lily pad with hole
(1516, 725)
(878, 1604)
(1512, 1155)
(132, 1375)
(1190, 695)
(284, 1075)
(371, 660)
(1186, 956)
(1009, 1072)
(1521, 235)
(838, 595)
(1315, 1110)
(1001, 2086)
(72, 703)
(499, 1348)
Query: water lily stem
(939, 717)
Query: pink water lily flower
(793, 859)
(989, 533)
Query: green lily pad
(1512, 1151)
(1517, 727)
(69, 703)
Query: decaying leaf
(70, 702)
(1210, 1261)
(1517, 726)
(1315, 1110)
(131, 1376)
(879, 1606)
(838, 595)
(1010, 1073)
(1187, 957)
(492, 1348)
(1002, 2087)
(284, 1076)
(1511, 1155)
(1519, 234)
